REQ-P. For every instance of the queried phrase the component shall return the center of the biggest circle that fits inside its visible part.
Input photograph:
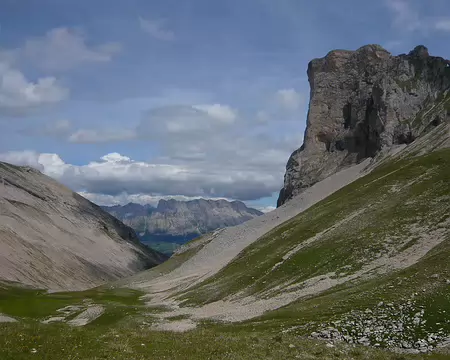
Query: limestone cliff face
(363, 102)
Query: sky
(141, 100)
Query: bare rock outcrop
(363, 102)
(53, 238)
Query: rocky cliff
(177, 218)
(362, 103)
(51, 237)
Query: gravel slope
(52, 238)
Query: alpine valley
(353, 264)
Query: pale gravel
(6, 319)
(87, 316)
(53, 319)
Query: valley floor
(124, 331)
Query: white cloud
(182, 120)
(115, 174)
(404, 15)
(203, 151)
(222, 113)
(442, 24)
(59, 127)
(89, 136)
(262, 117)
(115, 157)
(22, 158)
(63, 48)
(143, 199)
(264, 209)
(156, 30)
(19, 95)
(168, 121)
(289, 99)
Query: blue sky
(140, 100)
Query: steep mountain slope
(53, 238)
(173, 222)
(363, 102)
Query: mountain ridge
(178, 218)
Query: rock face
(52, 238)
(362, 103)
(177, 218)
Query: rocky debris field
(401, 326)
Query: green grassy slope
(383, 213)
(399, 211)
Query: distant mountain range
(174, 222)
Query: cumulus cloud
(168, 122)
(222, 113)
(183, 129)
(262, 117)
(407, 18)
(23, 158)
(203, 151)
(183, 120)
(442, 24)
(404, 15)
(155, 28)
(59, 127)
(289, 99)
(63, 48)
(19, 95)
(115, 174)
